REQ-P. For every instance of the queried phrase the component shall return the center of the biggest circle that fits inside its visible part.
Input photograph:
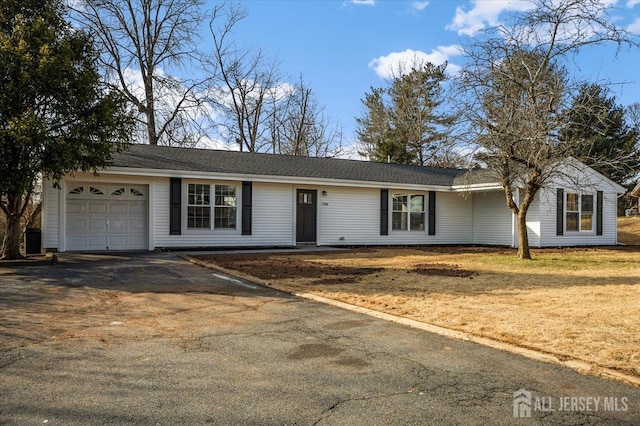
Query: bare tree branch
(149, 38)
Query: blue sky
(343, 47)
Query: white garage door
(106, 217)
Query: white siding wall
(50, 215)
(354, 213)
(548, 222)
(533, 223)
(492, 219)
(585, 180)
(272, 218)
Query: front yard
(629, 230)
(579, 304)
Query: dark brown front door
(306, 215)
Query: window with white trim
(199, 206)
(579, 212)
(408, 212)
(225, 207)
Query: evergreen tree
(609, 144)
(403, 123)
(55, 115)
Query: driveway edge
(580, 366)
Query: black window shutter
(175, 206)
(599, 201)
(384, 212)
(432, 213)
(247, 206)
(560, 212)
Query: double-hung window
(408, 212)
(199, 206)
(579, 212)
(225, 209)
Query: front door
(306, 216)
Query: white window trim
(409, 196)
(212, 193)
(215, 206)
(594, 213)
(197, 228)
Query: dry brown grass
(575, 303)
(629, 230)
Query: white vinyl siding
(590, 182)
(50, 215)
(533, 224)
(351, 216)
(492, 219)
(609, 224)
(272, 214)
(347, 215)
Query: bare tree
(519, 93)
(299, 125)
(260, 111)
(632, 113)
(141, 42)
(243, 89)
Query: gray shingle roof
(248, 163)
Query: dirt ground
(575, 303)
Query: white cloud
(632, 3)
(396, 63)
(362, 2)
(484, 13)
(208, 142)
(634, 27)
(420, 5)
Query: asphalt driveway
(152, 339)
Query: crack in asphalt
(326, 413)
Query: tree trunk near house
(13, 212)
(151, 117)
(525, 196)
(11, 243)
(523, 236)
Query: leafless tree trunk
(140, 42)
